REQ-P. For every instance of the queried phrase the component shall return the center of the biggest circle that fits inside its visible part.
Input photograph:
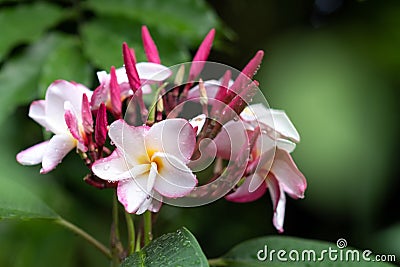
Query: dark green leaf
(19, 76)
(189, 19)
(245, 254)
(173, 249)
(26, 23)
(103, 38)
(66, 62)
(19, 203)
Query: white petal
(152, 176)
(152, 203)
(103, 77)
(253, 112)
(265, 144)
(279, 213)
(32, 155)
(130, 140)
(37, 111)
(284, 126)
(131, 194)
(152, 71)
(156, 202)
(174, 178)
(57, 148)
(288, 175)
(198, 122)
(112, 168)
(145, 205)
(285, 144)
(172, 136)
(57, 93)
(273, 118)
(274, 189)
(121, 75)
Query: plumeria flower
(148, 72)
(125, 81)
(271, 166)
(149, 163)
(64, 112)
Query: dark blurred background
(332, 65)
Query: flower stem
(131, 233)
(116, 246)
(138, 240)
(217, 262)
(148, 236)
(75, 229)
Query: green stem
(75, 229)
(217, 262)
(116, 246)
(148, 236)
(138, 240)
(131, 233)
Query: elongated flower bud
(87, 119)
(115, 94)
(100, 135)
(201, 55)
(130, 67)
(150, 47)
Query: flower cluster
(150, 155)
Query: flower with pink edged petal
(149, 163)
(61, 113)
(148, 72)
(271, 167)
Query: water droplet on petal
(106, 167)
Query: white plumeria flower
(149, 163)
(148, 73)
(61, 97)
(275, 122)
(272, 166)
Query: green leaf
(65, 62)
(103, 38)
(189, 19)
(172, 249)
(19, 76)
(26, 23)
(19, 203)
(245, 254)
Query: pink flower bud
(248, 72)
(115, 94)
(130, 67)
(201, 55)
(100, 135)
(87, 119)
(150, 47)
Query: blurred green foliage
(336, 75)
